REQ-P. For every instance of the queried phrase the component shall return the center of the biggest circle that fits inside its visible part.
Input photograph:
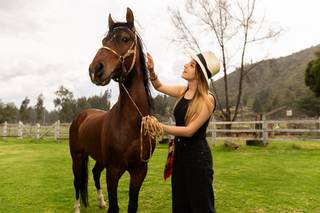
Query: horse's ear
(130, 18)
(111, 22)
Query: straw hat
(208, 62)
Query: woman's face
(189, 71)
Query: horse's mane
(143, 65)
(145, 73)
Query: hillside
(280, 79)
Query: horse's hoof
(77, 206)
(102, 204)
(76, 210)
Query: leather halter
(132, 50)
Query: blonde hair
(200, 97)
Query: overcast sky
(48, 43)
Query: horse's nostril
(98, 67)
(99, 70)
(99, 73)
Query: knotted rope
(149, 127)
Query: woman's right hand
(150, 64)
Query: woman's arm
(175, 91)
(194, 125)
(171, 90)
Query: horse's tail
(80, 163)
(83, 182)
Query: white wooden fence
(57, 130)
(265, 130)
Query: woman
(192, 172)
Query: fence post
(20, 129)
(57, 130)
(38, 131)
(5, 129)
(265, 130)
(213, 131)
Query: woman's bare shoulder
(211, 99)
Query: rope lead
(150, 127)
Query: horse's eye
(125, 39)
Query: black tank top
(180, 112)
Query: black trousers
(192, 177)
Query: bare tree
(232, 26)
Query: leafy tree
(245, 100)
(97, 102)
(24, 110)
(264, 101)
(68, 107)
(52, 116)
(1, 112)
(309, 105)
(312, 75)
(8, 112)
(82, 104)
(65, 104)
(39, 108)
(163, 106)
(257, 105)
(101, 101)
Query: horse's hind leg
(137, 176)
(97, 169)
(113, 176)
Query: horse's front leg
(113, 176)
(137, 176)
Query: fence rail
(265, 129)
(57, 130)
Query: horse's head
(117, 56)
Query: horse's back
(85, 133)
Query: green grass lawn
(283, 177)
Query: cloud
(14, 5)
(27, 78)
(30, 78)
(19, 17)
(12, 24)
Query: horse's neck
(136, 89)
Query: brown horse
(112, 138)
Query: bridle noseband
(132, 50)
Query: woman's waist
(196, 138)
(190, 143)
